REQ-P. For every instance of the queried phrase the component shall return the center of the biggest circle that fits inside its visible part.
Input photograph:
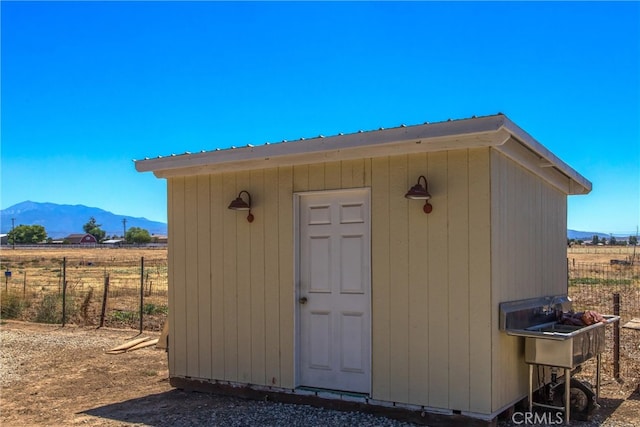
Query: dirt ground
(62, 376)
(53, 376)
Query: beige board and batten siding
(232, 283)
(528, 246)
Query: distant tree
(595, 240)
(27, 234)
(137, 235)
(613, 241)
(633, 240)
(93, 228)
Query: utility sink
(551, 343)
(566, 346)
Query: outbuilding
(306, 270)
(81, 239)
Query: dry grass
(35, 286)
(603, 254)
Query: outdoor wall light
(240, 205)
(420, 192)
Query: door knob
(302, 300)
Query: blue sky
(89, 86)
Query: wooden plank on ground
(632, 324)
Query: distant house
(113, 242)
(159, 238)
(81, 239)
(4, 239)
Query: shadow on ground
(171, 408)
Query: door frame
(297, 196)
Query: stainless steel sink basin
(559, 331)
(566, 346)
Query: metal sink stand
(567, 390)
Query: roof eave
(486, 131)
(490, 131)
(578, 184)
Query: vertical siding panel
(172, 262)
(191, 276)
(300, 178)
(179, 280)
(418, 283)
(380, 282)
(358, 175)
(218, 209)
(243, 283)
(399, 296)
(459, 304)
(316, 176)
(285, 213)
(258, 375)
(480, 308)
(562, 248)
(230, 281)
(501, 228)
(272, 282)
(367, 173)
(346, 172)
(536, 255)
(332, 175)
(204, 276)
(438, 283)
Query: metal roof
(489, 131)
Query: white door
(334, 294)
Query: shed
(341, 287)
(81, 239)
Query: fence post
(64, 290)
(141, 291)
(105, 295)
(616, 337)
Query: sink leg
(598, 373)
(530, 388)
(567, 395)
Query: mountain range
(588, 235)
(62, 220)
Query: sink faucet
(551, 307)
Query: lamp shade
(239, 205)
(418, 191)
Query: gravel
(234, 412)
(132, 389)
(17, 347)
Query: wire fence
(612, 288)
(592, 285)
(113, 293)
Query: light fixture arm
(423, 178)
(420, 192)
(249, 215)
(240, 205)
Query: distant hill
(588, 235)
(62, 220)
